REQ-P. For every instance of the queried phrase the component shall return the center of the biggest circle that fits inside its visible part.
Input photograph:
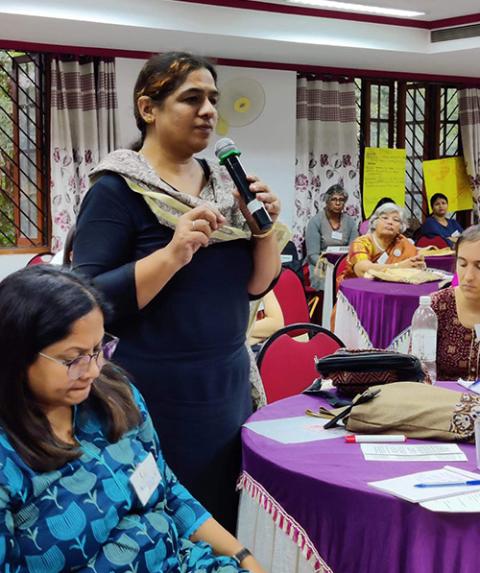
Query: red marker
(359, 439)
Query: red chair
(291, 296)
(287, 366)
(40, 259)
(436, 241)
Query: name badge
(455, 234)
(337, 235)
(146, 478)
(477, 331)
(383, 259)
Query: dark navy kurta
(186, 349)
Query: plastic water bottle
(424, 336)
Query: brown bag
(419, 411)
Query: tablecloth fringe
(402, 341)
(284, 521)
(358, 325)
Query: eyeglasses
(79, 366)
(337, 200)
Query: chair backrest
(436, 241)
(41, 258)
(363, 227)
(291, 296)
(287, 366)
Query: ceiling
(434, 9)
(236, 33)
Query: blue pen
(451, 483)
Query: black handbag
(353, 371)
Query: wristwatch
(241, 555)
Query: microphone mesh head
(224, 146)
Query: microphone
(227, 155)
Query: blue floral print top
(86, 515)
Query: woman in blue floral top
(83, 484)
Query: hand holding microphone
(263, 207)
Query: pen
(449, 483)
(361, 438)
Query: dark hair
(470, 235)
(436, 196)
(38, 306)
(336, 189)
(381, 202)
(162, 75)
(68, 247)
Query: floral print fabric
(457, 348)
(85, 516)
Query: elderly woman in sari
(384, 246)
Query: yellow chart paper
(383, 176)
(448, 176)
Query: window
(420, 117)
(23, 151)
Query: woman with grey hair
(458, 313)
(384, 246)
(330, 227)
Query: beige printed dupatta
(168, 205)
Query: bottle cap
(425, 300)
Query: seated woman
(84, 486)
(458, 312)
(383, 247)
(365, 225)
(269, 320)
(438, 224)
(328, 228)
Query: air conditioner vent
(459, 33)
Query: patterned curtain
(470, 128)
(327, 149)
(83, 129)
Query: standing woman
(165, 237)
(328, 228)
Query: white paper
(466, 503)
(404, 486)
(338, 249)
(145, 478)
(472, 385)
(382, 259)
(413, 453)
(295, 430)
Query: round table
(442, 262)
(316, 494)
(377, 314)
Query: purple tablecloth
(333, 257)
(355, 528)
(443, 262)
(384, 309)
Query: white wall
(267, 145)
(11, 263)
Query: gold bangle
(263, 235)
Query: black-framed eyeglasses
(79, 366)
